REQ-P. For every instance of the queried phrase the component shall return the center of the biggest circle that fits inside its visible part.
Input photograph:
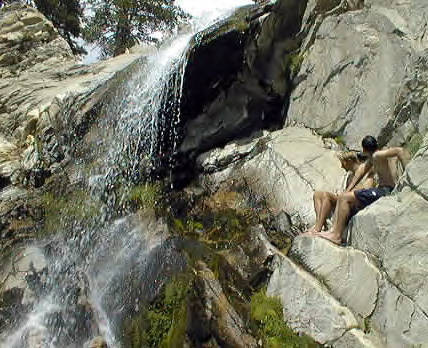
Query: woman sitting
(325, 202)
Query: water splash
(91, 269)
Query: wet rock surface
(47, 99)
(352, 68)
(213, 315)
(22, 279)
(246, 88)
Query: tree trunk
(123, 37)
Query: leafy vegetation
(163, 324)
(267, 317)
(65, 16)
(119, 24)
(146, 196)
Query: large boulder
(308, 306)
(394, 230)
(285, 167)
(342, 271)
(355, 279)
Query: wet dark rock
(212, 317)
(237, 82)
(22, 280)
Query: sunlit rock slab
(308, 306)
(350, 274)
(286, 167)
(350, 77)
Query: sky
(196, 8)
(199, 7)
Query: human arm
(401, 153)
(362, 170)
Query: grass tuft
(267, 317)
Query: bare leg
(328, 204)
(324, 203)
(345, 203)
(318, 196)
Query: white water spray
(105, 258)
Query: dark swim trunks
(368, 196)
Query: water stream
(92, 269)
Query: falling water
(91, 266)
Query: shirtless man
(325, 202)
(359, 199)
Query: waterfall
(90, 265)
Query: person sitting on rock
(378, 161)
(325, 202)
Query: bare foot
(311, 232)
(329, 235)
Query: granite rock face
(44, 94)
(285, 167)
(350, 77)
(356, 63)
(342, 271)
(242, 76)
(392, 318)
(308, 307)
(381, 279)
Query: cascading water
(86, 291)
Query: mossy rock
(77, 206)
(145, 196)
(267, 320)
(163, 323)
(415, 143)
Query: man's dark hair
(369, 143)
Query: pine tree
(65, 16)
(119, 24)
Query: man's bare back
(378, 161)
(382, 168)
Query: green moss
(146, 196)
(187, 226)
(228, 226)
(163, 324)
(58, 211)
(415, 143)
(267, 317)
(177, 332)
(296, 61)
(340, 140)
